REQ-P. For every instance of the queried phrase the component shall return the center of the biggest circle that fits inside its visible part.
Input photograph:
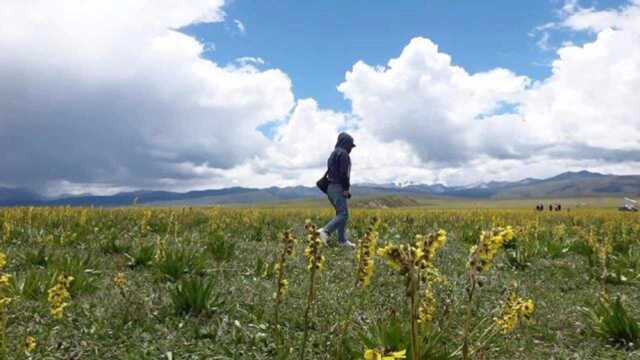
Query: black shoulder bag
(323, 183)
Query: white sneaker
(348, 244)
(324, 237)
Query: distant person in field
(339, 190)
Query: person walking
(339, 189)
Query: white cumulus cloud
(422, 99)
(587, 108)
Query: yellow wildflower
(120, 280)
(431, 244)
(313, 250)
(3, 260)
(161, 249)
(58, 296)
(364, 255)
(393, 256)
(513, 310)
(527, 308)
(428, 306)
(4, 302)
(283, 285)
(5, 279)
(402, 354)
(144, 223)
(481, 256)
(373, 354)
(288, 242)
(6, 229)
(420, 255)
(30, 344)
(508, 233)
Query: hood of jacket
(345, 141)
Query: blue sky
(316, 42)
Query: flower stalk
(481, 257)
(315, 263)
(415, 263)
(288, 243)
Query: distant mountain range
(569, 184)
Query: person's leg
(339, 203)
(342, 212)
(331, 196)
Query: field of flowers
(79, 283)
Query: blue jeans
(339, 222)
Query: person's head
(345, 141)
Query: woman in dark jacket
(339, 190)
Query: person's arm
(343, 169)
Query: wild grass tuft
(610, 320)
(36, 256)
(220, 248)
(113, 245)
(394, 334)
(32, 284)
(79, 266)
(193, 295)
(180, 261)
(142, 255)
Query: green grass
(218, 301)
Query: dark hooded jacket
(339, 163)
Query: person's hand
(346, 193)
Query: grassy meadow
(395, 201)
(242, 283)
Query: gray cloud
(127, 117)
